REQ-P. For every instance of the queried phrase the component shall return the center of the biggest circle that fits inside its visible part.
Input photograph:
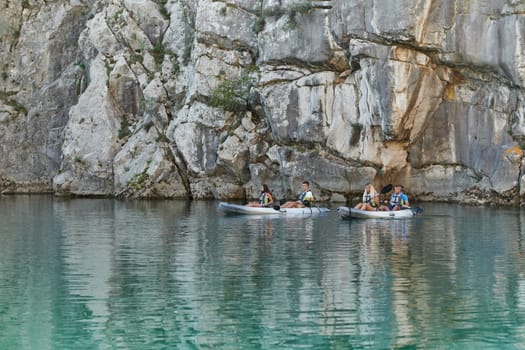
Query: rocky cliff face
(209, 99)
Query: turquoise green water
(104, 274)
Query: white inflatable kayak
(245, 210)
(346, 213)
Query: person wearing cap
(370, 199)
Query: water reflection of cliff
(375, 289)
(28, 250)
(125, 274)
(356, 301)
(410, 278)
(116, 256)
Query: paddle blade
(276, 207)
(417, 210)
(387, 189)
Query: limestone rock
(132, 98)
(145, 168)
(90, 140)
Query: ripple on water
(103, 274)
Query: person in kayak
(306, 198)
(398, 200)
(370, 199)
(265, 198)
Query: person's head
(398, 188)
(264, 188)
(369, 188)
(306, 185)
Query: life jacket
(306, 196)
(367, 198)
(397, 199)
(264, 198)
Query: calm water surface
(105, 274)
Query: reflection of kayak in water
(347, 213)
(245, 210)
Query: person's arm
(405, 201)
(309, 197)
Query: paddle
(417, 210)
(277, 207)
(386, 189)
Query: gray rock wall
(209, 99)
